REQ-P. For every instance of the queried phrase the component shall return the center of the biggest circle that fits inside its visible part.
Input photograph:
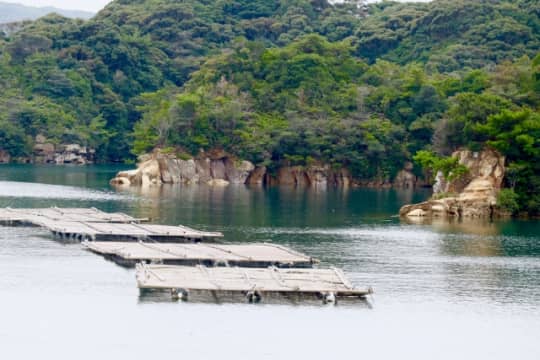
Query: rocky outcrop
(168, 169)
(405, 179)
(237, 172)
(289, 175)
(319, 175)
(472, 196)
(45, 152)
(5, 158)
(256, 177)
(219, 169)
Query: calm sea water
(469, 291)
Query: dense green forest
(296, 82)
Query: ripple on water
(14, 189)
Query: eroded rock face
(405, 179)
(45, 152)
(290, 175)
(149, 173)
(256, 177)
(237, 172)
(317, 175)
(475, 194)
(440, 185)
(167, 169)
(343, 178)
(127, 178)
(215, 168)
(320, 176)
(5, 158)
(217, 165)
(203, 168)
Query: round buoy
(253, 297)
(179, 294)
(329, 298)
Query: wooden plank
(314, 281)
(244, 255)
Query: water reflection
(94, 176)
(239, 205)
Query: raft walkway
(251, 255)
(254, 283)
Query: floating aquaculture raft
(42, 217)
(93, 224)
(254, 282)
(127, 232)
(252, 255)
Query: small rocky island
(471, 196)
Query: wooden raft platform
(126, 232)
(253, 282)
(252, 255)
(40, 217)
(93, 224)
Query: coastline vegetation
(284, 82)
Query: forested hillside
(276, 82)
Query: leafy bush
(449, 166)
(507, 200)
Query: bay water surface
(442, 291)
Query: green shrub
(507, 200)
(184, 156)
(449, 166)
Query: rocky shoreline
(46, 152)
(217, 168)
